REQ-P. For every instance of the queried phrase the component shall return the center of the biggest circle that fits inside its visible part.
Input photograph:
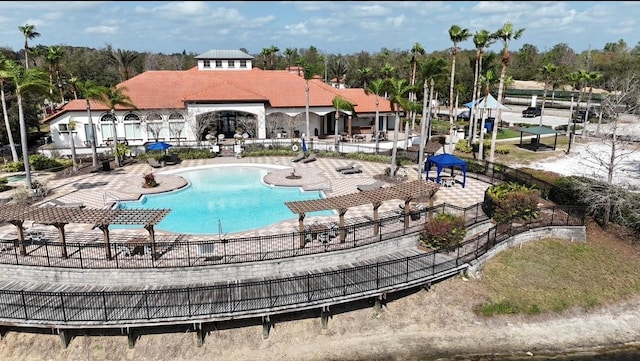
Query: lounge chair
(354, 170)
(370, 187)
(346, 167)
(172, 159)
(299, 158)
(61, 204)
(309, 159)
(154, 163)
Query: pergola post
(22, 248)
(107, 242)
(407, 212)
(376, 218)
(343, 231)
(152, 239)
(301, 228)
(60, 227)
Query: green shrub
(463, 146)
(510, 201)
(503, 149)
(444, 231)
(42, 162)
(11, 167)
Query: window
(218, 63)
(132, 128)
(243, 63)
(232, 64)
(63, 127)
(106, 126)
(206, 63)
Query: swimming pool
(223, 200)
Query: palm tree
(482, 39)
(485, 82)
(289, 53)
(4, 63)
(505, 35)
(265, 56)
(398, 90)
(115, 96)
(26, 81)
(365, 74)
(341, 105)
(416, 51)
(309, 71)
(91, 91)
(457, 35)
(30, 33)
(124, 59)
(338, 67)
(377, 87)
(548, 70)
(53, 57)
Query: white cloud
(101, 29)
(297, 29)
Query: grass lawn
(555, 275)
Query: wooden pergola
(404, 191)
(102, 218)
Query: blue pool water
(231, 198)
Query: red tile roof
(276, 88)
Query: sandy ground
(425, 325)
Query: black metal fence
(132, 251)
(254, 298)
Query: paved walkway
(102, 189)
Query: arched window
(156, 129)
(107, 122)
(176, 126)
(132, 128)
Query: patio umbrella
(159, 146)
(304, 146)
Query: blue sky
(331, 26)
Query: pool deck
(102, 189)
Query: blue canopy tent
(446, 160)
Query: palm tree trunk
(394, 151)
(376, 123)
(472, 112)
(23, 141)
(306, 108)
(451, 115)
(12, 145)
(92, 138)
(496, 122)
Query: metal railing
(240, 299)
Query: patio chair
(370, 187)
(354, 170)
(309, 159)
(346, 167)
(154, 163)
(172, 159)
(299, 158)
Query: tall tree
(340, 104)
(53, 58)
(398, 90)
(486, 82)
(505, 35)
(548, 71)
(26, 81)
(124, 59)
(416, 52)
(377, 87)
(290, 54)
(30, 33)
(309, 70)
(481, 39)
(112, 98)
(457, 35)
(5, 65)
(91, 91)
